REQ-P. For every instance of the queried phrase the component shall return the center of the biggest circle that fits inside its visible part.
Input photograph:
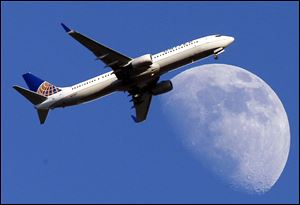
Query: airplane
(137, 76)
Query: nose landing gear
(217, 52)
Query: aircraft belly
(204, 54)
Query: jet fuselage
(163, 62)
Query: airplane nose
(230, 40)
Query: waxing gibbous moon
(233, 122)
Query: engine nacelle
(142, 61)
(162, 87)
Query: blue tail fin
(32, 81)
(40, 86)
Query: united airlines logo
(46, 89)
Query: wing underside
(141, 104)
(110, 57)
(141, 98)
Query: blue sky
(95, 153)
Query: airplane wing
(141, 104)
(141, 98)
(111, 58)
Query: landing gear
(217, 52)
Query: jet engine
(142, 61)
(162, 87)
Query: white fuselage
(163, 62)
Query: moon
(233, 122)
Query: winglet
(134, 118)
(66, 28)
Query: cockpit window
(218, 35)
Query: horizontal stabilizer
(42, 115)
(33, 97)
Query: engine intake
(142, 61)
(162, 87)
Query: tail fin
(33, 97)
(40, 86)
(32, 81)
